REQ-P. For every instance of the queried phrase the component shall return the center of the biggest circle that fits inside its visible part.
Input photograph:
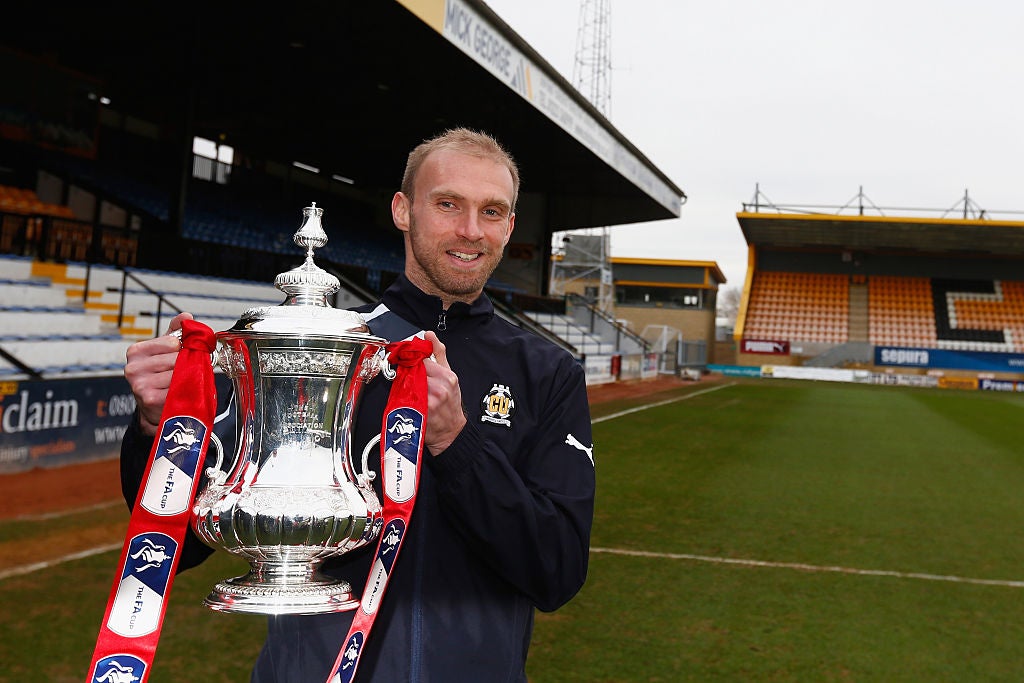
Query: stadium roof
(349, 88)
(713, 274)
(883, 233)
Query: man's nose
(469, 227)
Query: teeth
(461, 255)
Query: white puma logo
(576, 443)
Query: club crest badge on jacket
(498, 406)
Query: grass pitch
(765, 530)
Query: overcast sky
(916, 101)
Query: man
(505, 503)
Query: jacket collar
(424, 310)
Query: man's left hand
(445, 418)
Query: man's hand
(148, 371)
(445, 418)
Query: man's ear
(400, 207)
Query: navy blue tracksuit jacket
(501, 525)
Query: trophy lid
(305, 309)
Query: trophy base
(245, 595)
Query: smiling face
(456, 223)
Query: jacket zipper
(442, 324)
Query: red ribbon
(138, 599)
(131, 625)
(401, 453)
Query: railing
(532, 303)
(603, 325)
(516, 317)
(16, 362)
(965, 208)
(161, 300)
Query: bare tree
(729, 303)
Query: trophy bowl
(292, 496)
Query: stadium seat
(800, 307)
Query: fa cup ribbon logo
(144, 579)
(169, 485)
(119, 668)
(348, 667)
(401, 451)
(383, 563)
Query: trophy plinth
(282, 588)
(291, 497)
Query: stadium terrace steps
(64, 370)
(30, 293)
(858, 325)
(56, 273)
(106, 278)
(48, 324)
(218, 302)
(14, 267)
(569, 331)
(29, 320)
(60, 351)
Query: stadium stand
(976, 315)
(186, 191)
(1003, 310)
(900, 312)
(804, 307)
(133, 191)
(78, 319)
(983, 315)
(24, 201)
(235, 231)
(832, 289)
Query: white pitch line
(27, 569)
(36, 566)
(811, 567)
(660, 403)
(782, 565)
(800, 566)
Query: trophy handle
(366, 476)
(215, 473)
(384, 364)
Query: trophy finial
(311, 234)
(308, 284)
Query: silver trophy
(292, 497)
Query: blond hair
(464, 141)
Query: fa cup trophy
(292, 496)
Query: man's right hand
(148, 371)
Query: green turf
(875, 478)
(889, 479)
